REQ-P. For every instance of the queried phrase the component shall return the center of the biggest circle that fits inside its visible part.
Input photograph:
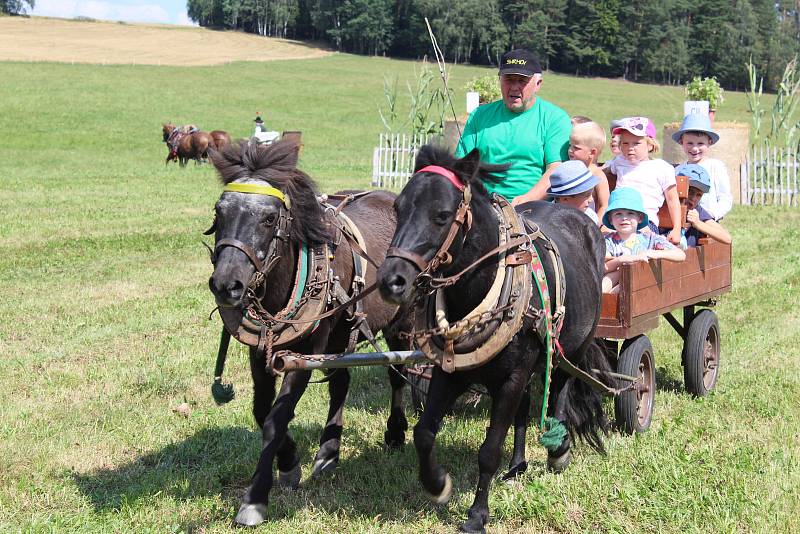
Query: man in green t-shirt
(527, 132)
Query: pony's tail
(579, 404)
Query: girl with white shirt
(654, 178)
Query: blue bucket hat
(571, 178)
(625, 198)
(697, 175)
(696, 122)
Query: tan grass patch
(70, 41)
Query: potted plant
(707, 89)
(487, 87)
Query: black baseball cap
(520, 61)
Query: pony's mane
(469, 168)
(277, 164)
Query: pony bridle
(463, 219)
(281, 232)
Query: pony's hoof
(466, 527)
(394, 440)
(250, 515)
(515, 471)
(559, 464)
(475, 524)
(324, 466)
(444, 496)
(290, 479)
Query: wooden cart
(649, 291)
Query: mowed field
(104, 329)
(89, 41)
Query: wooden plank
(610, 306)
(611, 330)
(691, 286)
(654, 273)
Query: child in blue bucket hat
(696, 137)
(626, 244)
(700, 222)
(571, 184)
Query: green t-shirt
(529, 141)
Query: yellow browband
(256, 189)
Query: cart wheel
(634, 409)
(701, 354)
(419, 378)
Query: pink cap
(641, 126)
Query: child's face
(693, 199)
(615, 144)
(625, 221)
(581, 152)
(633, 147)
(579, 201)
(695, 145)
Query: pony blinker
(257, 189)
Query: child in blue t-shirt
(701, 222)
(626, 215)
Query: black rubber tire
(701, 354)
(633, 409)
(419, 387)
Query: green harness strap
(552, 430)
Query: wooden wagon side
(649, 290)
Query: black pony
(425, 210)
(251, 230)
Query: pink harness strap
(450, 175)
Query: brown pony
(184, 146)
(221, 139)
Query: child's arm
(674, 208)
(710, 227)
(672, 254)
(612, 264)
(600, 193)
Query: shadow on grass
(220, 461)
(204, 464)
(665, 381)
(369, 481)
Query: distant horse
(184, 146)
(220, 138)
(426, 209)
(266, 218)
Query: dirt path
(70, 41)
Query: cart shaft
(289, 362)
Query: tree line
(665, 41)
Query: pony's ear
(469, 165)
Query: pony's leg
(518, 463)
(263, 394)
(505, 402)
(253, 510)
(327, 457)
(263, 388)
(442, 393)
(397, 424)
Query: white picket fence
(393, 159)
(771, 176)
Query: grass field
(103, 330)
